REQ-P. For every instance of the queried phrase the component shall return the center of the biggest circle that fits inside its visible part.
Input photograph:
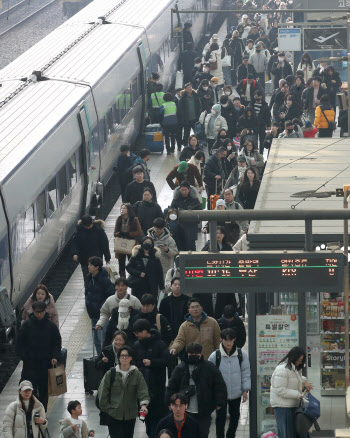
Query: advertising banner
(328, 38)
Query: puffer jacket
(237, 377)
(320, 119)
(192, 175)
(99, 288)
(126, 394)
(50, 309)
(216, 56)
(113, 302)
(67, 431)
(220, 123)
(206, 333)
(286, 386)
(14, 422)
(166, 258)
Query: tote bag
(124, 246)
(57, 381)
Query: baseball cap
(182, 166)
(24, 385)
(124, 305)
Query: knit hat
(217, 108)
(124, 305)
(182, 167)
(220, 202)
(308, 124)
(214, 79)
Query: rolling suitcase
(92, 375)
(154, 138)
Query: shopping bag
(57, 382)
(179, 80)
(124, 246)
(313, 410)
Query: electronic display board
(273, 271)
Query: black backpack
(218, 357)
(104, 417)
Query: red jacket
(310, 133)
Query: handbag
(303, 421)
(213, 64)
(226, 60)
(331, 125)
(57, 381)
(179, 80)
(124, 246)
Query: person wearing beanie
(184, 172)
(213, 123)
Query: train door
(141, 51)
(87, 155)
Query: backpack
(104, 417)
(218, 357)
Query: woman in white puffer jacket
(287, 385)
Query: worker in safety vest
(156, 101)
(168, 120)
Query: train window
(40, 211)
(29, 225)
(72, 170)
(79, 160)
(52, 189)
(62, 183)
(116, 113)
(110, 125)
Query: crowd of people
(183, 353)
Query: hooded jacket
(50, 309)
(310, 132)
(320, 119)
(111, 303)
(146, 212)
(210, 386)
(67, 431)
(99, 288)
(236, 376)
(220, 123)
(91, 242)
(212, 168)
(166, 257)
(206, 333)
(286, 386)
(15, 423)
(126, 395)
(191, 175)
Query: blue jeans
(99, 336)
(227, 75)
(285, 419)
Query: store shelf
(333, 368)
(332, 333)
(333, 351)
(332, 317)
(332, 391)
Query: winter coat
(220, 123)
(186, 64)
(190, 202)
(259, 61)
(206, 102)
(15, 423)
(177, 232)
(307, 70)
(50, 309)
(297, 91)
(99, 288)
(237, 324)
(157, 352)
(237, 47)
(206, 333)
(153, 270)
(191, 175)
(242, 244)
(210, 386)
(126, 395)
(182, 109)
(216, 56)
(112, 327)
(173, 272)
(248, 194)
(291, 112)
(207, 46)
(188, 152)
(134, 229)
(308, 96)
(212, 168)
(67, 431)
(111, 303)
(286, 386)
(166, 257)
(244, 70)
(242, 89)
(38, 342)
(320, 119)
(196, 163)
(281, 72)
(264, 116)
(234, 205)
(146, 172)
(259, 160)
(146, 212)
(236, 376)
(134, 191)
(310, 132)
(91, 242)
(108, 352)
(225, 246)
(189, 428)
(153, 317)
(229, 114)
(174, 309)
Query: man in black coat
(186, 62)
(311, 102)
(246, 89)
(214, 173)
(99, 288)
(261, 109)
(90, 240)
(150, 313)
(228, 113)
(135, 189)
(39, 347)
(188, 110)
(147, 210)
(151, 357)
(244, 69)
(281, 69)
(203, 384)
(231, 319)
(187, 34)
(179, 422)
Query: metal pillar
(346, 289)
(253, 395)
(213, 247)
(348, 50)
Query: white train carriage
(60, 131)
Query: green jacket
(125, 394)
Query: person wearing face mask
(198, 66)
(253, 157)
(228, 113)
(281, 69)
(147, 210)
(233, 363)
(201, 381)
(206, 95)
(176, 230)
(263, 114)
(145, 269)
(259, 62)
(201, 75)
(213, 123)
(289, 130)
(289, 110)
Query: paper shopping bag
(57, 383)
